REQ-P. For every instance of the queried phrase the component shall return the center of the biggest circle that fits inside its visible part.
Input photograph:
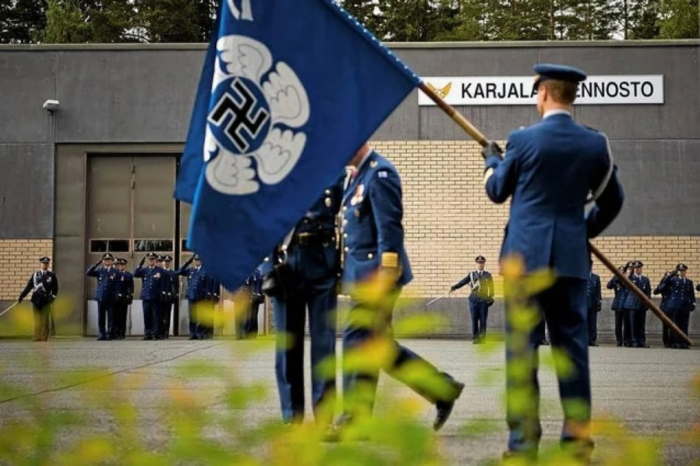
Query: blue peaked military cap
(682, 267)
(480, 259)
(547, 71)
(44, 260)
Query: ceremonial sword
(8, 308)
(479, 137)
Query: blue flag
(289, 91)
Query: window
(98, 245)
(155, 245)
(184, 247)
(109, 245)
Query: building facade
(97, 173)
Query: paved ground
(649, 390)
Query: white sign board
(517, 90)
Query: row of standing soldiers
(677, 302)
(159, 291)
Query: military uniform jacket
(372, 213)
(664, 291)
(106, 282)
(152, 281)
(681, 295)
(481, 284)
(44, 286)
(632, 302)
(620, 293)
(593, 293)
(548, 171)
(125, 287)
(169, 290)
(198, 284)
(313, 251)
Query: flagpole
(479, 137)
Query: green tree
(642, 19)
(21, 21)
(679, 19)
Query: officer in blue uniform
(310, 283)
(152, 278)
(197, 294)
(43, 284)
(168, 296)
(107, 276)
(680, 302)
(373, 243)
(549, 171)
(249, 326)
(636, 310)
(480, 299)
(665, 292)
(124, 297)
(623, 333)
(594, 303)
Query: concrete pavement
(648, 390)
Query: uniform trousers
(622, 331)
(120, 311)
(250, 324)
(320, 298)
(41, 322)
(666, 332)
(563, 307)
(360, 380)
(105, 318)
(636, 321)
(592, 325)
(151, 312)
(164, 319)
(680, 317)
(479, 310)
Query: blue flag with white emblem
(289, 91)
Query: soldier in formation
(623, 332)
(124, 296)
(594, 304)
(107, 277)
(202, 294)
(678, 302)
(168, 297)
(152, 277)
(635, 309)
(43, 284)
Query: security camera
(51, 105)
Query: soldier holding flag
(549, 170)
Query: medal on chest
(359, 195)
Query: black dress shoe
(148, 337)
(444, 408)
(593, 343)
(619, 343)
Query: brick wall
(18, 259)
(449, 220)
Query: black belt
(309, 238)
